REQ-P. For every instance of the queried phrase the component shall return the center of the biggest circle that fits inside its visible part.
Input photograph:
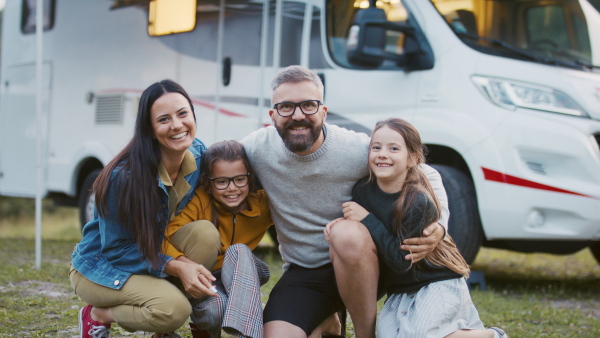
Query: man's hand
(422, 246)
(329, 226)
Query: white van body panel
(536, 174)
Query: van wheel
(464, 225)
(595, 248)
(86, 198)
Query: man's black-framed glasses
(222, 183)
(308, 107)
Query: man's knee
(350, 235)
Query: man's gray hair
(295, 74)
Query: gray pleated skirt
(436, 310)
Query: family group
(357, 218)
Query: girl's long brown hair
(137, 201)
(446, 253)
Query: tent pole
(39, 29)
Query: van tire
(464, 225)
(595, 249)
(86, 198)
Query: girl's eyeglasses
(222, 183)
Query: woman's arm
(196, 279)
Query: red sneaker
(89, 328)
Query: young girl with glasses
(228, 199)
(429, 298)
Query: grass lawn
(528, 295)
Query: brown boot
(197, 333)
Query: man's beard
(299, 143)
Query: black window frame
(27, 10)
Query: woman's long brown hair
(136, 193)
(446, 253)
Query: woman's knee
(204, 232)
(199, 241)
(171, 313)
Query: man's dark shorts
(304, 297)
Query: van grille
(109, 109)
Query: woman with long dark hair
(120, 267)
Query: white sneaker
(498, 332)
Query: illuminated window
(171, 16)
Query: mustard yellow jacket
(247, 227)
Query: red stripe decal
(496, 176)
(194, 101)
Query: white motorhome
(505, 93)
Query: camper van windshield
(553, 32)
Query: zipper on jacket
(233, 232)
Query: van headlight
(512, 94)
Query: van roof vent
(109, 109)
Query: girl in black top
(429, 298)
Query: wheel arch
(440, 154)
(451, 165)
(85, 167)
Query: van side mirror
(367, 42)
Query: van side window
(340, 16)
(291, 30)
(28, 15)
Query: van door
(18, 163)
(239, 80)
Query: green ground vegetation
(528, 295)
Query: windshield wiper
(586, 64)
(520, 52)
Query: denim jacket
(107, 254)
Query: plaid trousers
(238, 306)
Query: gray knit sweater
(307, 192)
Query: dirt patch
(35, 287)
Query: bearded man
(308, 169)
